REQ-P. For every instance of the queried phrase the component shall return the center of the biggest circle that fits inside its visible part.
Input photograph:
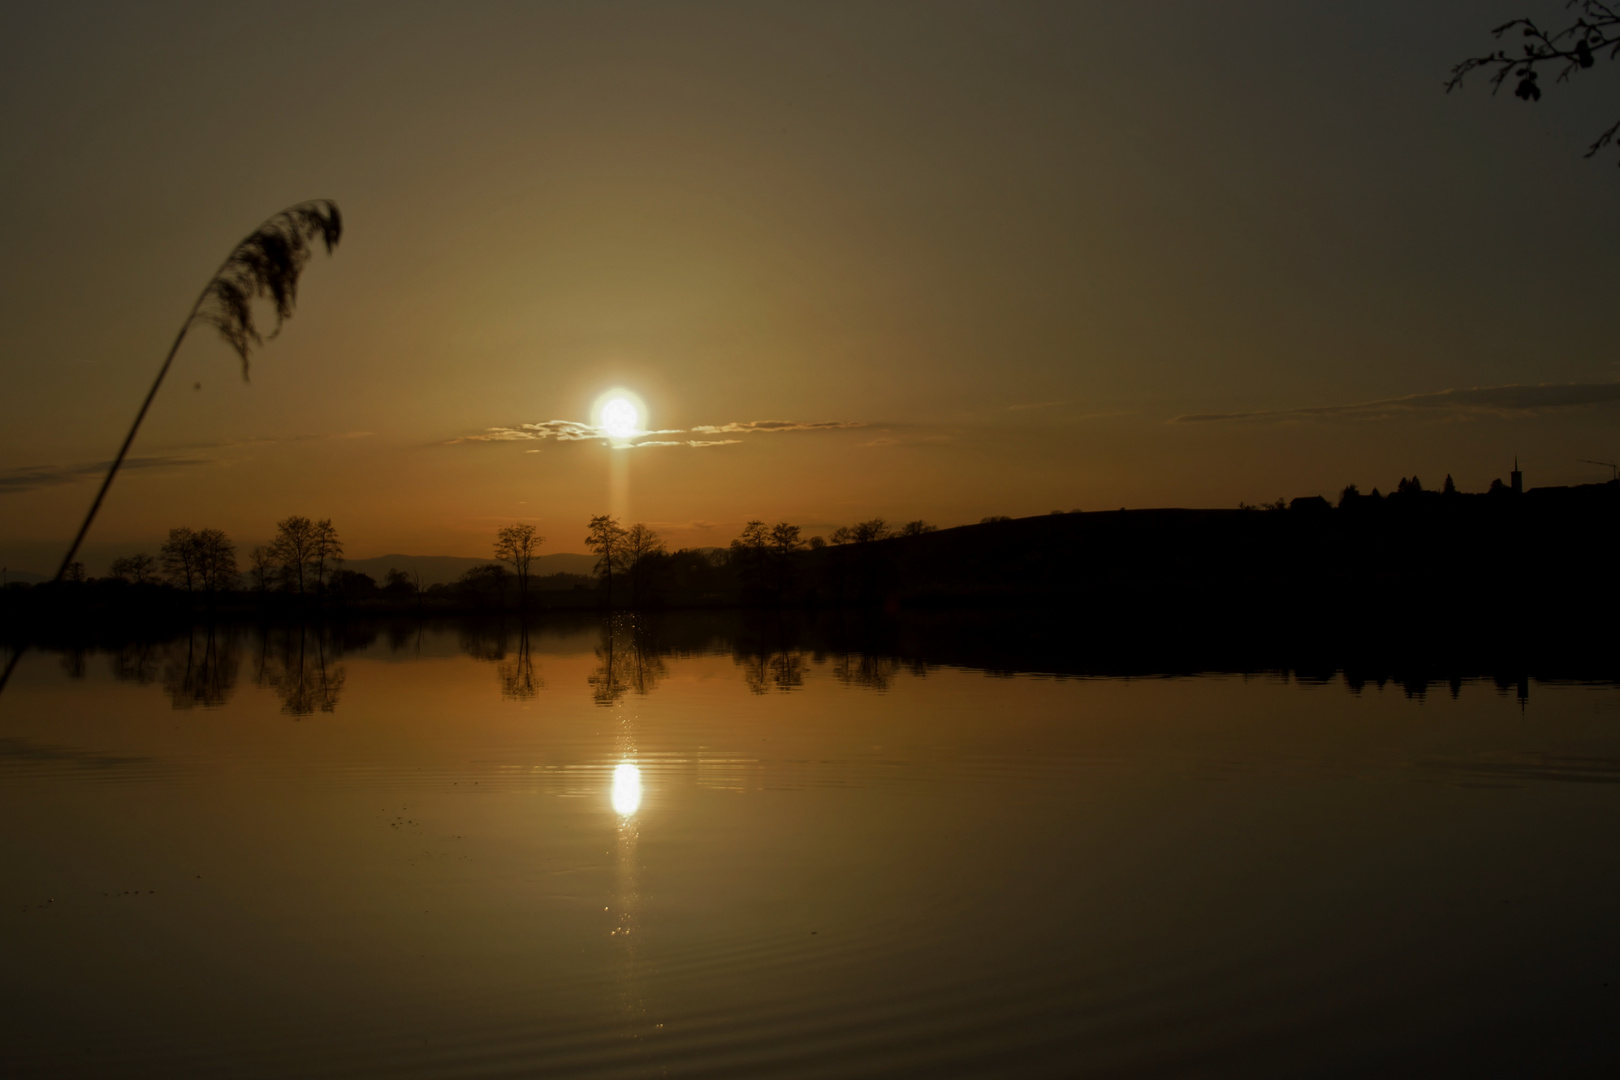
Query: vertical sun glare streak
(626, 789)
(619, 486)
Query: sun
(619, 414)
(619, 418)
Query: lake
(707, 847)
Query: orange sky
(999, 252)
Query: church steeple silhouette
(1518, 477)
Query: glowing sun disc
(620, 417)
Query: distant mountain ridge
(443, 569)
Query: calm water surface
(455, 852)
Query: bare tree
(263, 568)
(1594, 31)
(294, 549)
(199, 559)
(637, 545)
(869, 530)
(603, 540)
(180, 558)
(784, 541)
(517, 544)
(750, 553)
(755, 537)
(136, 569)
(216, 560)
(327, 552)
(919, 527)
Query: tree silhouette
(263, 568)
(327, 552)
(604, 538)
(637, 545)
(486, 579)
(216, 560)
(785, 540)
(135, 569)
(750, 554)
(516, 544)
(294, 549)
(180, 558)
(869, 530)
(1594, 32)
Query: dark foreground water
(575, 852)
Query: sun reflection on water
(626, 789)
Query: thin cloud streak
(771, 426)
(574, 431)
(1509, 400)
(33, 477)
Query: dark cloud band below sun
(1480, 400)
(31, 477)
(574, 431)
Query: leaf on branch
(266, 266)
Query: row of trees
(304, 558)
(629, 556)
(761, 555)
(625, 550)
(197, 560)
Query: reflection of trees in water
(871, 671)
(514, 664)
(781, 670)
(403, 636)
(137, 662)
(73, 662)
(629, 661)
(484, 641)
(518, 679)
(201, 669)
(299, 664)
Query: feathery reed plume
(264, 266)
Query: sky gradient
(973, 258)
